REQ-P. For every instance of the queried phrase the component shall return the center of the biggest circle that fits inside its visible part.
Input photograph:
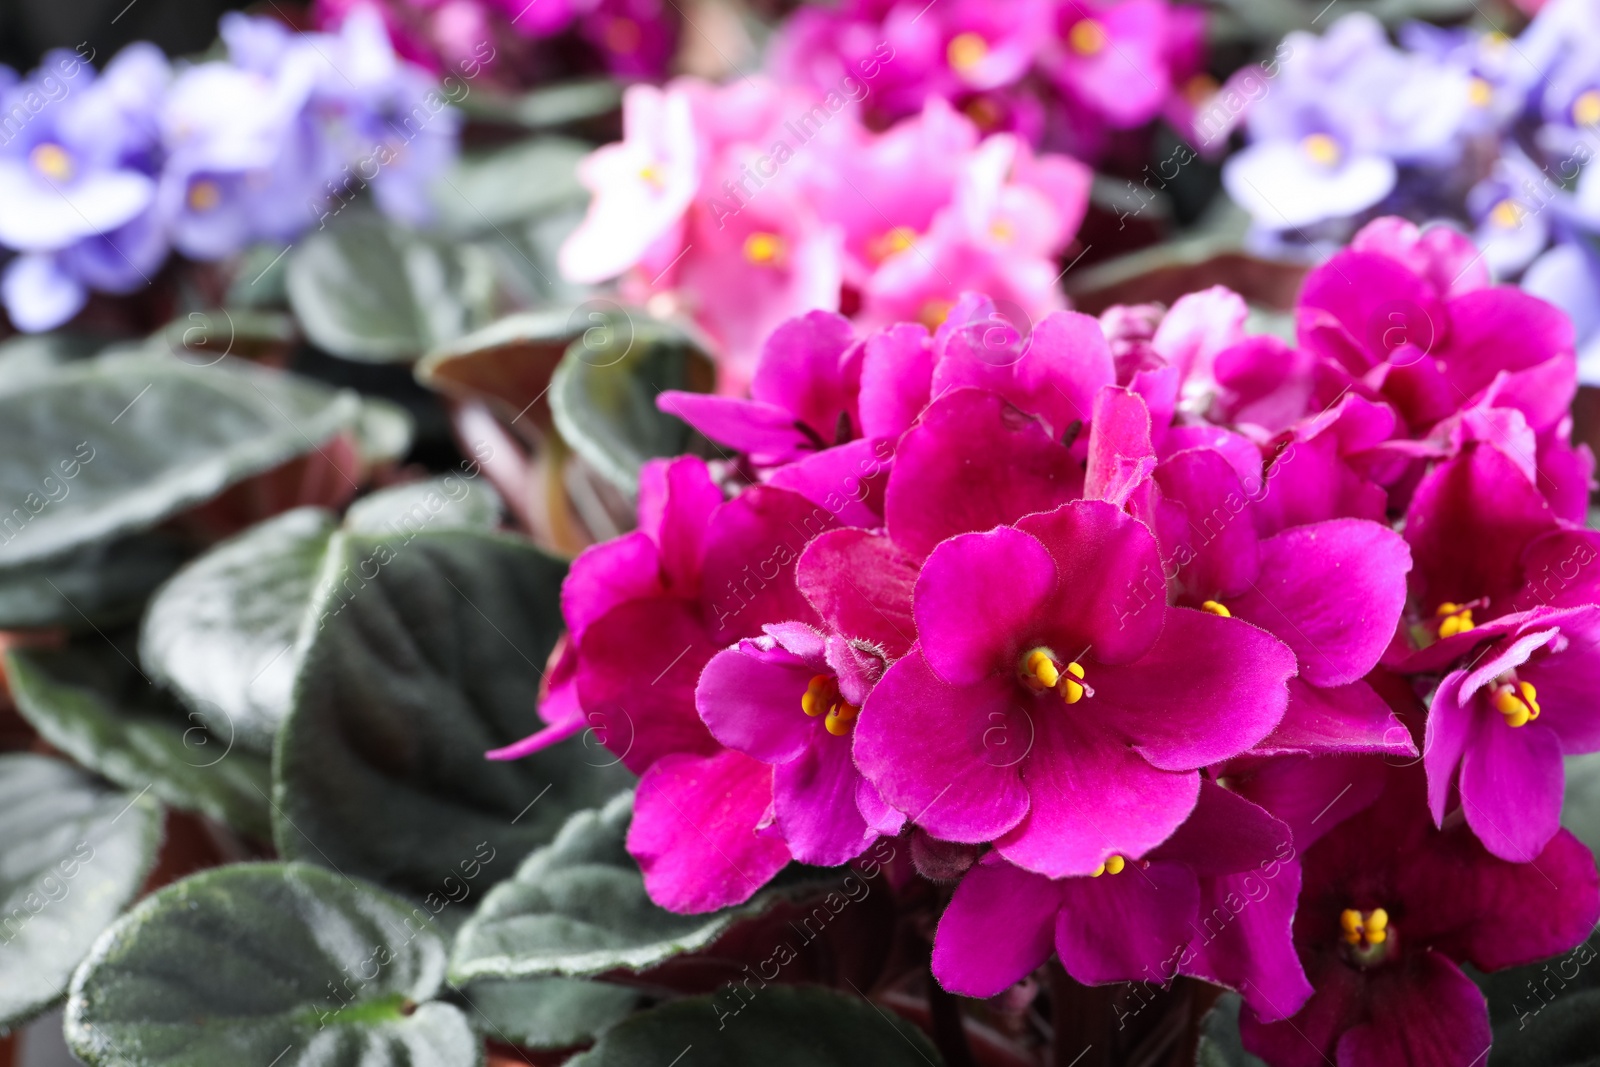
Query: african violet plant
(774, 566)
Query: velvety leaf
(29, 357)
(509, 363)
(578, 907)
(223, 631)
(500, 186)
(115, 444)
(450, 502)
(549, 105)
(603, 394)
(1522, 994)
(374, 292)
(72, 853)
(426, 652)
(202, 338)
(1220, 1045)
(1580, 808)
(781, 1026)
(383, 432)
(102, 584)
(89, 701)
(1566, 1033)
(281, 964)
(546, 1013)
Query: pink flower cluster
(745, 205)
(1203, 653)
(1073, 75)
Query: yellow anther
(1455, 619)
(1377, 926)
(1002, 230)
(896, 240)
(762, 248)
(820, 695)
(1350, 922)
(1072, 687)
(966, 51)
(1321, 149)
(204, 195)
(1495, 40)
(1041, 666)
(1509, 704)
(1480, 92)
(652, 174)
(1507, 214)
(840, 718)
(1216, 608)
(52, 161)
(1098, 871)
(1087, 37)
(1586, 109)
(1115, 864)
(934, 312)
(1530, 696)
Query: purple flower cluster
(102, 174)
(1070, 75)
(1493, 132)
(1194, 651)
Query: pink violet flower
(1021, 634)
(1388, 907)
(1215, 900)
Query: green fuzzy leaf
(603, 394)
(547, 1013)
(115, 444)
(72, 854)
(509, 363)
(223, 632)
(1220, 1045)
(370, 291)
(1565, 1033)
(447, 503)
(781, 1026)
(578, 907)
(280, 964)
(425, 653)
(90, 702)
(104, 584)
(502, 186)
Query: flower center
(52, 161)
(896, 240)
(1454, 619)
(1087, 37)
(1516, 700)
(204, 195)
(1200, 88)
(1480, 92)
(1321, 149)
(1041, 670)
(762, 248)
(822, 698)
(934, 312)
(966, 51)
(1366, 935)
(1586, 109)
(1507, 214)
(1114, 864)
(651, 173)
(1216, 607)
(984, 112)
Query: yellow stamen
(1517, 712)
(1115, 864)
(1002, 230)
(934, 312)
(1042, 667)
(1586, 109)
(1480, 92)
(984, 113)
(896, 240)
(840, 718)
(966, 51)
(1072, 689)
(1087, 37)
(1377, 926)
(1530, 696)
(820, 695)
(1321, 148)
(1350, 922)
(1455, 619)
(652, 174)
(52, 161)
(762, 248)
(1507, 214)
(1495, 40)
(1216, 608)
(204, 195)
